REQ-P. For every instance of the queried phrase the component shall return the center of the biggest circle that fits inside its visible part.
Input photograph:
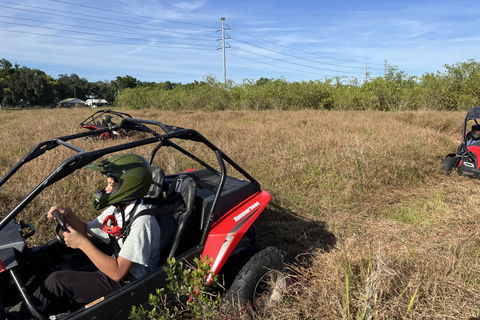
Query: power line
(96, 34)
(105, 22)
(297, 57)
(378, 73)
(62, 11)
(100, 29)
(281, 45)
(297, 64)
(276, 66)
(130, 14)
(96, 41)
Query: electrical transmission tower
(223, 48)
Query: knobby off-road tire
(448, 163)
(260, 282)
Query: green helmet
(106, 118)
(133, 174)
(475, 135)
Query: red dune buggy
(214, 218)
(467, 158)
(107, 119)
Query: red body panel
(227, 232)
(476, 150)
(92, 127)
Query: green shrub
(189, 294)
(457, 88)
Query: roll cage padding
(181, 193)
(173, 214)
(156, 188)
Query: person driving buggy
(135, 238)
(107, 120)
(473, 137)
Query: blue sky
(175, 40)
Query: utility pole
(366, 72)
(385, 70)
(223, 49)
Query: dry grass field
(373, 228)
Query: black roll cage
(99, 113)
(82, 158)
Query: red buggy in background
(106, 119)
(467, 158)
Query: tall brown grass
(358, 198)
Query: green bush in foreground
(189, 294)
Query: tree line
(25, 87)
(455, 88)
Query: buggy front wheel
(449, 163)
(261, 282)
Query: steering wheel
(61, 225)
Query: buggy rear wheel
(261, 282)
(449, 163)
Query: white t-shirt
(142, 245)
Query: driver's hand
(74, 239)
(63, 211)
